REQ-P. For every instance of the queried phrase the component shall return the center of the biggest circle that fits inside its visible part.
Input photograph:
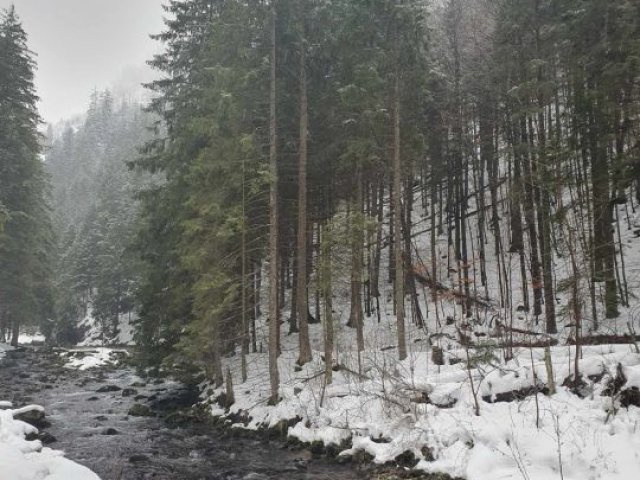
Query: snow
(382, 414)
(504, 441)
(87, 358)
(21, 459)
(93, 330)
(29, 338)
(28, 408)
(386, 407)
(632, 373)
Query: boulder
(139, 410)
(33, 415)
(109, 388)
(129, 392)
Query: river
(93, 428)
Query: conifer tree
(26, 238)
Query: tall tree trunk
(434, 251)
(15, 331)
(515, 199)
(397, 213)
(293, 318)
(255, 301)
(544, 221)
(410, 278)
(375, 275)
(542, 185)
(316, 250)
(302, 306)
(604, 246)
(327, 291)
(217, 351)
(244, 335)
(480, 188)
(356, 319)
(274, 320)
(530, 217)
(3, 326)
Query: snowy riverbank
(27, 459)
(393, 408)
(22, 454)
(21, 459)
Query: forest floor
(476, 417)
(472, 399)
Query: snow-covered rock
(21, 459)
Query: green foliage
(214, 103)
(26, 235)
(213, 151)
(4, 216)
(96, 217)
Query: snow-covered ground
(429, 410)
(21, 459)
(93, 330)
(86, 358)
(30, 338)
(29, 460)
(386, 408)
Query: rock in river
(139, 410)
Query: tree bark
(356, 318)
(397, 213)
(302, 299)
(274, 378)
(326, 288)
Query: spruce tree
(26, 239)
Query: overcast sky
(82, 45)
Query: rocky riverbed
(123, 427)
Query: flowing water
(93, 428)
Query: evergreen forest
(323, 201)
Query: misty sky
(82, 45)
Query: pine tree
(95, 216)
(26, 240)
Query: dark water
(144, 447)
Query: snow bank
(94, 331)
(86, 358)
(388, 408)
(21, 459)
(28, 339)
(415, 406)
